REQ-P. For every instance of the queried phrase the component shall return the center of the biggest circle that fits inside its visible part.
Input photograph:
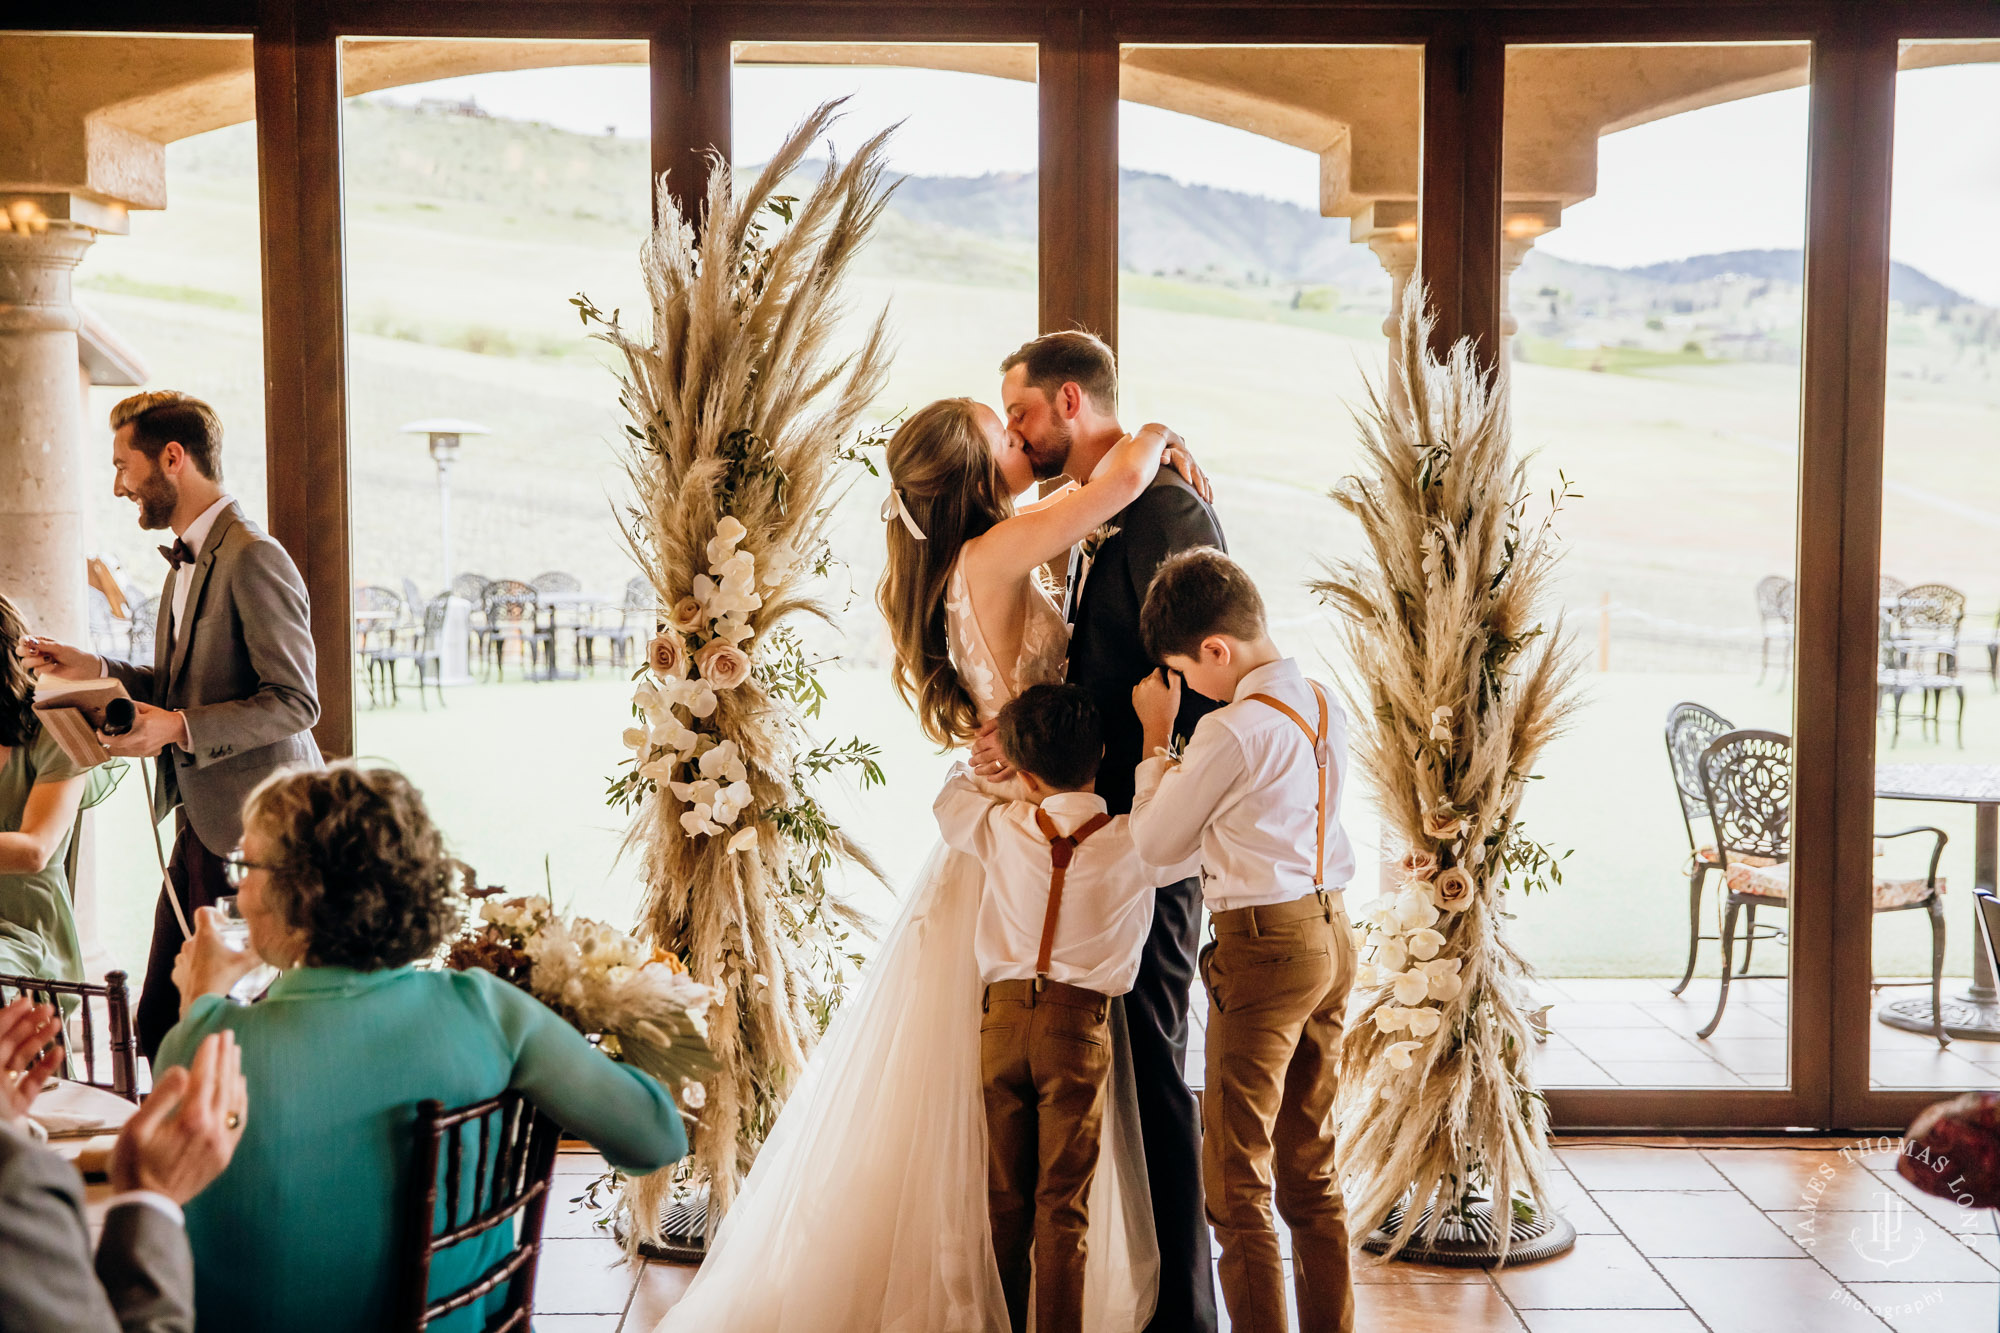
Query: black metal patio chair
(1775, 597)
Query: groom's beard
(1050, 456)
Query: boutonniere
(1095, 541)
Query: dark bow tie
(177, 554)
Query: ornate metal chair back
(554, 580)
(1690, 729)
(510, 603)
(145, 624)
(121, 1074)
(1747, 778)
(492, 1162)
(1774, 598)
(1933, 609)
(472, 587)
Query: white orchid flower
(1391, 1018)
(725, 762)
(779, 562)
(1415, 910)
(1391, 954)
(744, 839)
(1444, 982)
(732, 629)
(1411, 987)
(727, 533)
(1424, 1021)
(701, 699)
(1400, 1054)
(659, 770)
(639, 741)
(1367, 975)
(696, 822)
(1424, 943)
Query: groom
(1061, 395)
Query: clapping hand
(188, 1128)
(1157, 701)
(30, 1052)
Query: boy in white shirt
(1063, 919)
(1258, 793)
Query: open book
(74, 710)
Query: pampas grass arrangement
(742, 426)
(1458, 688)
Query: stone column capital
(36, 264)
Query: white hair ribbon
(893, 509)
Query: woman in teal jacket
(345, 885)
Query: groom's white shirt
(1245, 796)
(1107, 904)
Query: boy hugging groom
(1257, 795)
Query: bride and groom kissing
(1005, 1091)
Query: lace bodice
(1044, 644)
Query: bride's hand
(1180, 460)
(987, 760)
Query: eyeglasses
(236, 868)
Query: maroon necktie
(177, 554)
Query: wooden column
(1077, 77)
(1844, 375)
(297, 61)
(1458, 225)
(691, 69)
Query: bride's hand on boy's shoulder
(987, 759)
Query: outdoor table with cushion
(1975, 1015)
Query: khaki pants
(1277, 982)
(1045, 1056)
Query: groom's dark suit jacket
(1107, 656)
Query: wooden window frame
(1843, 370)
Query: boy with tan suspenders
(1063, 918)
(1257, 794)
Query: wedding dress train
(866, 1208)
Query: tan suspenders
(1314, 739)
(1061, 849)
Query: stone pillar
(1389, 228)
(41, 425)
(1513, 249)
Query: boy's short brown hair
(1052, 732)
(1070, 357)
(1195, 594)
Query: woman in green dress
(344, 884)
(40, 792)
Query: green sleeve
(622, 1112)
(207, 1014)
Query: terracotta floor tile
(659, 1288)
(1627, 1321)
(1684, 1224)
(581, 1277)
(1436, 1307)
(1854, 1248)
(1621, 1168)
(1765, 1296)
(1576, 1204)
(1569, 1069)
(1672, 1073)
(1755, 1055)
(1931, 1068)
(1946, 1212)
(1601, 1273)
(1576, 1016)
(1932, 1307)
(1790, 1180)
(562, 1221)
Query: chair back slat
(119, 1050)
(1746, 777)
(512, 1161)
(1989, 924)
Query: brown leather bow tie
(177, 554)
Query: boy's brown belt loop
(1061, 850)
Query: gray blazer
(144, 1278)
(242, 671)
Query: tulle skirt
(866, 1208)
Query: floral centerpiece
(637, 1000)
(743, 424)
(1459, 687)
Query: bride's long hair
(944, 471)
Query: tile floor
(1675, 1236)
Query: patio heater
(444, 433)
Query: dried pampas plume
(1457, 688)
(742, 418)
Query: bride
(866, 1208)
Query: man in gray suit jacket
(230, 696)
(169, 1151)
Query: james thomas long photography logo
(1889, 1230)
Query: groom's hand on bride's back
(987, 760)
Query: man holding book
(230, 695)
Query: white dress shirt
(1246, 796)
(183, 575)
(1107, 902)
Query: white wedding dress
(866, 1208)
